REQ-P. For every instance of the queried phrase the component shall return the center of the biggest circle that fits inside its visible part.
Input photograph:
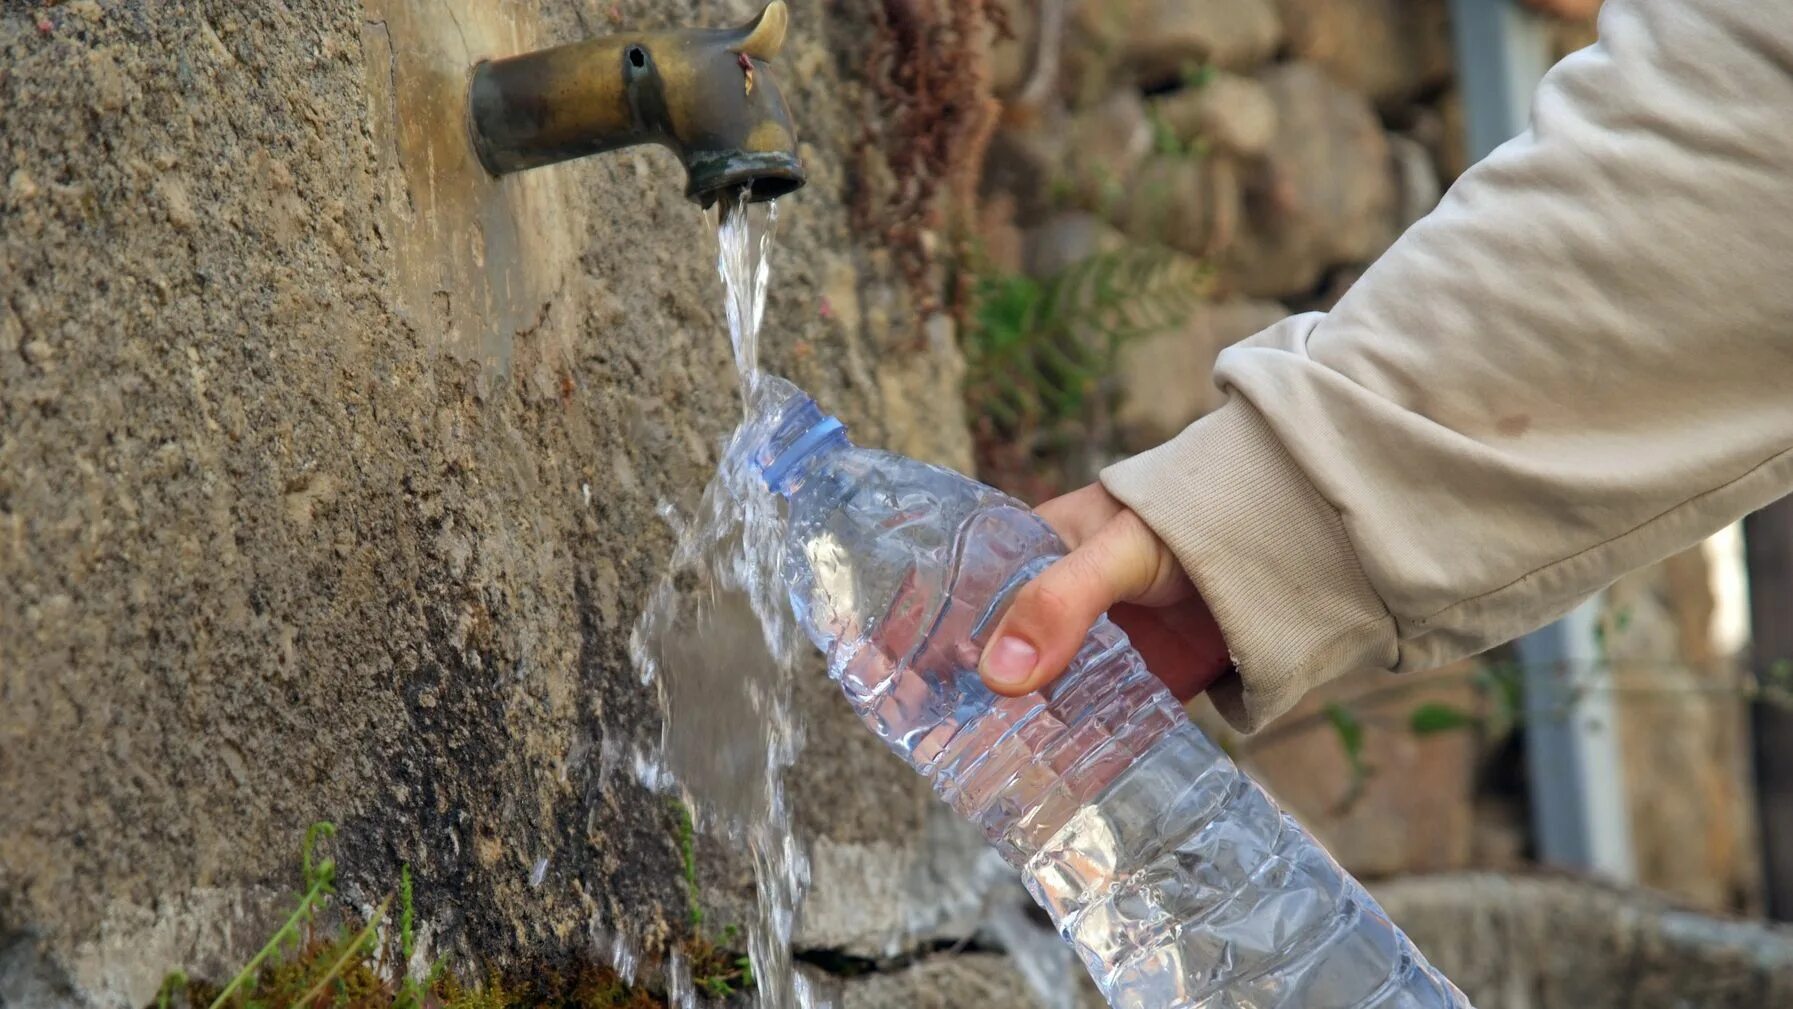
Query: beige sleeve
(1580, 363)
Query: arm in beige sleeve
(1580, 363)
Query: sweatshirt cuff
(1269, 555)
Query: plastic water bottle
(1177, 879)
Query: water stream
(744, 238)
(717, 642)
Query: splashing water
(719, 644)
(717, 641)
(681, 991)
(618, 951)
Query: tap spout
(709, 94)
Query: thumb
(1053, 614)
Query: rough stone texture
(1192, 204)
(1104, 148)
(1417, 177)
(1564, 943)
(1231, 113)
(999, 235)
(1683, 733)
(887, 878)
(1067, 239)
(1012, 57)
(1440, 127)
(1325, 195)
(1166, 379)
(1027, 166)
(1157, 41)
(1112, 160)
(1389, 50)
(1413, 811)
(982, 980)
(277, 545)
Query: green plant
(1502, 685)
(317, 881)
(1170, 143)
(341, 973)
(1042, 353)
(1499, 708)
(1435, 717)
(688, 858)
(412, 993)
(1198, 75)
(1349, 729)
(1779, 677)
(176, 981)
(717, 972)
(1040, 349)
(289, 961)
(306, 966)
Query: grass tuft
(350, 965)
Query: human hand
(1568, 10)
(1118, 566)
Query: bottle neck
(802, 437)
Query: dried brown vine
(930, 123)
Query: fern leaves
(1040, 350)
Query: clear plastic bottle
(1177, 879)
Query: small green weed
(1198, 75)
(1170, 143)
(688, 858)
(1349, 728)
(306, 965)
(718, 972)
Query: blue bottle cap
(819, 433)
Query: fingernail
(1010, 660)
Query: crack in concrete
(842, 964)
(12, 307)
(27, 977)
(541, 315)
(398, 146)
(466, 50)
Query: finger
(1180, 644)
(1079, 515)
(1053, 614)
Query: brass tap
(706, 93)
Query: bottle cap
(801, 431)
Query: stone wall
(1541, 942)
(328, 481)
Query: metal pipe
(1503, 52)
(707, 94)
(1768, 537)
(1578, 800)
